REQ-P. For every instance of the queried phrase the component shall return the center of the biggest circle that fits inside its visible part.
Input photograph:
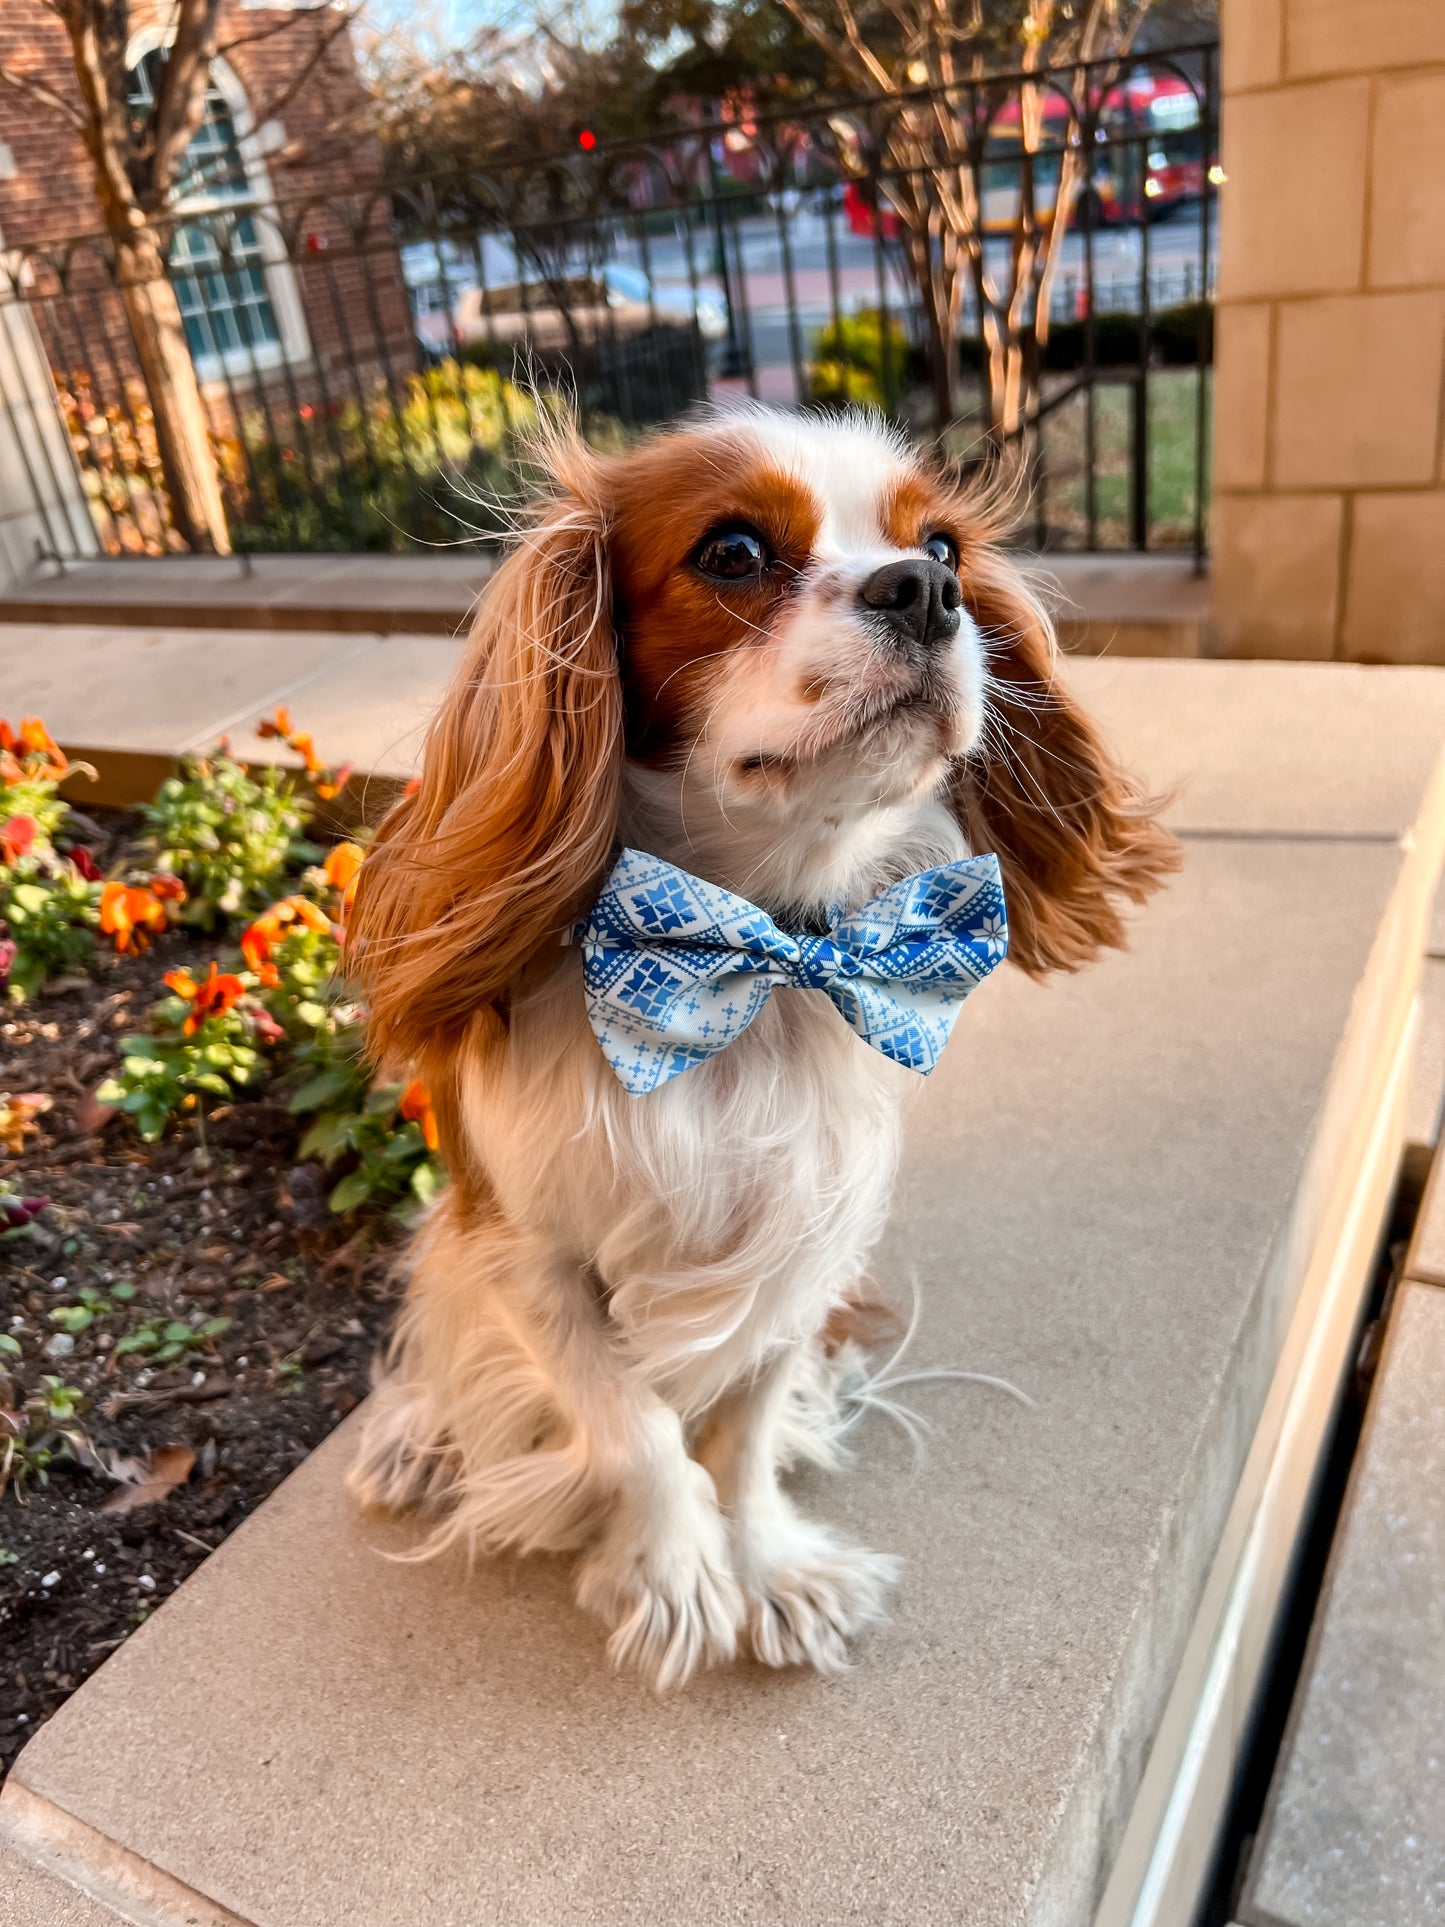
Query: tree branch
(319, 50)
(45, 96)
(97, 50)
(181, 82)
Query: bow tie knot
(675, 967)
(821, 963)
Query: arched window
(237, 296)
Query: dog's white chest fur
(723, 1214)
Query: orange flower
(32, 739)
(328, 783)
(17, 835)
(168, 888)
(259, 938)
(343, 860)
(130, 912)
(328, 786)
(416, 1104)
(213, 997)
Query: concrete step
(423, 593)
(1354, 1830)
(1131, 605)
(1149, 1196)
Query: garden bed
(203, 1196)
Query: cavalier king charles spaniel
(786, 654)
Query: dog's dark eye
(942, 548)
(732, 555)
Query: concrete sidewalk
(1149, 1196)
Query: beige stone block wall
(1329, 461)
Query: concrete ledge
(1129, 605)
(426, 593)
(1355, 1826)
(1125, 1192)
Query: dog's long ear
(510, 829)
(1074, 833)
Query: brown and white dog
(783, 653)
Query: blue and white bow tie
(676, 968)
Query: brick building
(290, 288)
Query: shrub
(1175, 334)
(858, 360)
(418, 464)
(1173, 339)
(226, 833)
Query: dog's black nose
(918, 598)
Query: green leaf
(176, 1333)
(405, 1142)
(317, 1091)
(354, 1189)
(110, 1092)
(425, 1182)
(72, 1318)
(213, 1327)
(327, 1137)
(9, 1346)
(123, 1292)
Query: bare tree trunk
(933, 278)
(187, 457)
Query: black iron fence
(1020, 267)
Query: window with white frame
(236, 316)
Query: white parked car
(451, 309)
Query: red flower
(266, 1027)
(17, 837)
(260, 938)
(212, 997)
(168, 888)
(85, 864)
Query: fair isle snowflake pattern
(676, 968)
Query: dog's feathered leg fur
(553, 1441)
(807, 1590)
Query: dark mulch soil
(232, 1229)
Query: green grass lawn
(1059, 513)
(1172, 396)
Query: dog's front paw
(662, 1579)
(809, 1592)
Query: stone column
(43, 507)
(1328, 522)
